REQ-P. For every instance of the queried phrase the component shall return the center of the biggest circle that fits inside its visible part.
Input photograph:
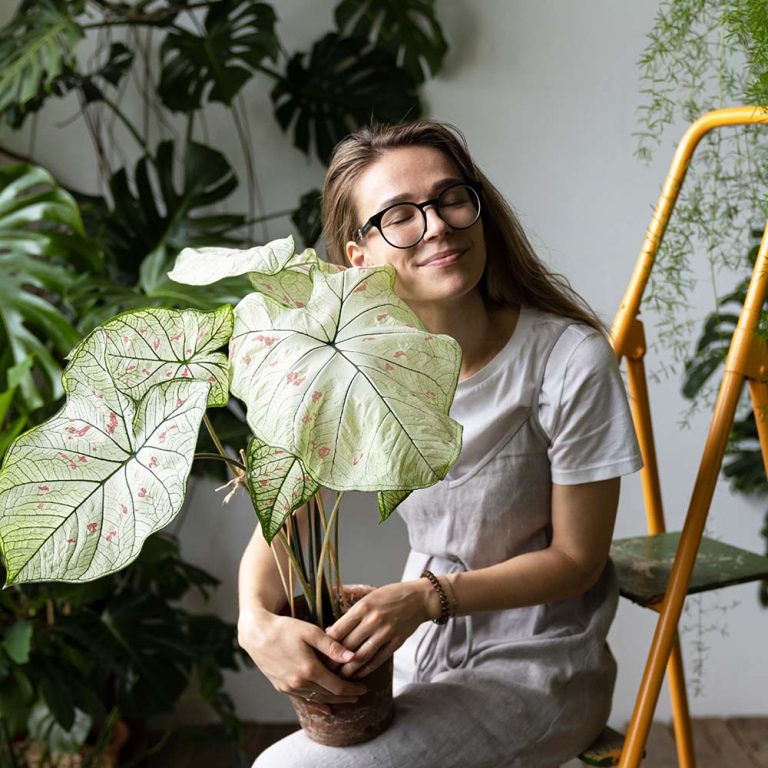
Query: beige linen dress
(523, 687)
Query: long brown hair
(514, 274)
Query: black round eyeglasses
(403, 225)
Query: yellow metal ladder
(660, 569)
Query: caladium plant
(343, 388)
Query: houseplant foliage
(158, 173)
(342, 386)
(704, 55)
(76, 658)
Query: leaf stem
(129, 126)
(218, 457)
(324, 552)
(214, 436)
(299, 570)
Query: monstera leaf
(36, 47)
(239, 35)
(80, 493)
(90, 84)
(343, 85)
(408, 29)
(350, 384)
(42, 244)
(145, 221)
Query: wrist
(429, 599)
(444, 605)
(253, 618)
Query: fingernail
(347, 655)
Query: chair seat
(605, 749)
(645, 562)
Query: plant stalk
(218, 457)
(323, 553)
(214, 436)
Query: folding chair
(658, 571)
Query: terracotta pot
(353, 723)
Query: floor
(720, 743)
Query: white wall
(546, 93)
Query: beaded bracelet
(445, 610)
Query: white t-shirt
(582, 406)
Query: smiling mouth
(442, 259)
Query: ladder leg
(681, 717)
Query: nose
(436, 225)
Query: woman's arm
(582, 526)
(284, 648)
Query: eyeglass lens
(404, 225)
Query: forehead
(410, 173)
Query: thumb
(333, 649)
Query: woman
(517, 536)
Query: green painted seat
(605, 750)
(645, 562)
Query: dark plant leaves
(407, 29)
(342, 85)
(150, 213)
(239, 36)
(308, 217)
(42, 247)
(35, 48)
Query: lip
(442, 258)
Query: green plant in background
(75, 658)
(343, 387)
(703, 55)
(70, 259)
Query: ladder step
(644, 563)
(605, 749)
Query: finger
(328, 646)
(345, 624)
(335, 686)
(359, 640)
(367, 655)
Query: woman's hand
(285, 650)
(379, 623)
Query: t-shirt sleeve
(584, 411)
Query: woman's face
(446, 264)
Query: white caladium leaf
(80, 493)
(147, 346)
(388, 501)
(274, 269)
(278, 484)
(351, 384)
(203, 266)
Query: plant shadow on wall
(704, 55)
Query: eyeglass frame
(375, 220)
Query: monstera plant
(343, 387)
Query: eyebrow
(407, 197)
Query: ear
(355, 254)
